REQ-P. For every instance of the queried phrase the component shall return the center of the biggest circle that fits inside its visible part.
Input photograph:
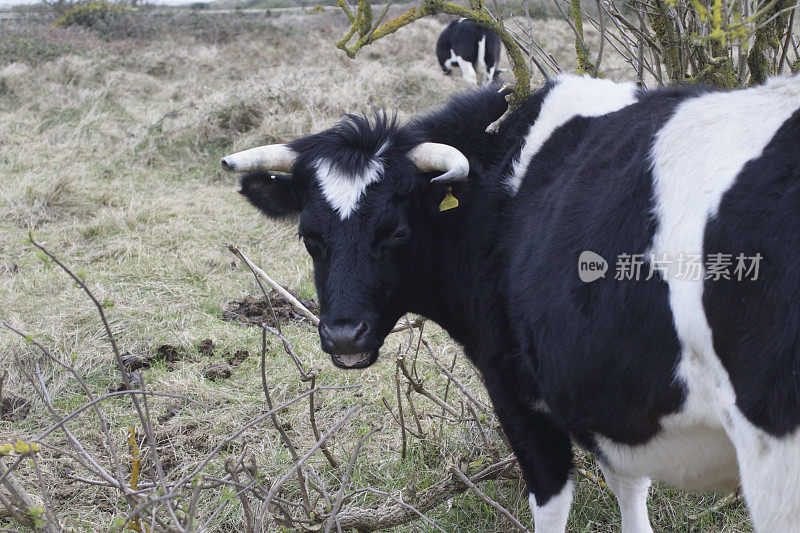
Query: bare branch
(272, 283)
(337, 505)
(298, 464)
(487, 500)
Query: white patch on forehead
(571, 96)
(343, 190)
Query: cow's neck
(465, 274)
(464, 262)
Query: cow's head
(362, 192)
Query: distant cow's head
(361, 194)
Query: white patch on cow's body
(696, 158)
(552, 516)
(480, 61)
(631, 493)
(686, 454)
(467, 71)
(343, 191)
(571, 96)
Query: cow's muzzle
(352, 344)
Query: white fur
(552, 516)
(570, 97)
(480, 62)
(344, 191)
(696, 158)
(467, 71)
(631, 493)
(686, 453)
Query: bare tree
(721, 43)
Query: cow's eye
(400, 235)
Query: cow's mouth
(355, 360)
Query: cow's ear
(276, 195)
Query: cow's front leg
(544, 453)
(631, 494)
(545, 457)
(552, 515)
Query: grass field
(109, 147)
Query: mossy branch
(585, 65)
(772, 20)
(477, 13)
(664, 28)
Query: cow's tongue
(352, 359)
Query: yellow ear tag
(449, 201)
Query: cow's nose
(344, 338)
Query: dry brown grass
(109, 154)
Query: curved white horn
(431, 157)
(270, 157)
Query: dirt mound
(217, 371)
(255, 311)
(206, 348)
(166, 352)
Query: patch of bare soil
(14, 408)
(134, 378)
(237, 358)
(135, 362)
(166, 352)
(169, 354)
(254, 311)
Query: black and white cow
(471, 48)
(694, 380)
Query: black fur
(756, 323)
(572, 200)
(278, 196)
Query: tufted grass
(108, 153)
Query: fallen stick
(274, 284)
(365, 519)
